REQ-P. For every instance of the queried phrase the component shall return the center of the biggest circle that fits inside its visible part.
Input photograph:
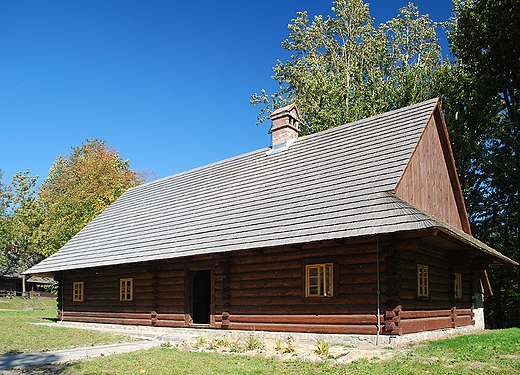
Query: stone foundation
(180, 335)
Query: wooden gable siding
(264, 290)
(430, 180)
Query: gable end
(430, 180)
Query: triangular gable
(430, 180)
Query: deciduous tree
(482, 105)
(20, 218)
(78, 188)
(342, 68)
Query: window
(78, 291)
(422, 281)
(126, 289)
(318, 280)
(458, 286)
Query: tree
(78, 188)
(482, 102)
(20, 218)
(342, 68)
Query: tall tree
(20, 217)
(342, 68)
(78, 188)
(482, 100)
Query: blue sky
(167, 83)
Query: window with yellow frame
(422, 281)
(126, 289)
(78, 291)
(319, 280)
(458, 286)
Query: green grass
(494, 352)
(491, 353)
(27, 304)
(173, 361)
(20, 335)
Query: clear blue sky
(167, 83)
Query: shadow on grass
(53, 320)
(52, 369)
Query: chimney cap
(284, 129)
(289, 110)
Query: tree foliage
(482, 91)
(20, 217)
(342, 68)
(78, 188)
(35, 221)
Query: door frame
(191, 270)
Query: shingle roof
(9, 271)
(332, 184)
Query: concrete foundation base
(180, 335)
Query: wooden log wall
(440, 310)
(158, 295)
(400, 322)
(170, 295)
(441, 279)
(262, 290)
(265, 290)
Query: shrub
(322, 348)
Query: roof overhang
(488, 252)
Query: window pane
(422, 280)
(319, 280)
(126, 289)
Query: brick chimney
(284, 129)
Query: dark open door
(201, 297)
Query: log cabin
(13, 283)
(360, 229)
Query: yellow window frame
(78, 291)
(458, 286)
(319, 280)
(423, 287)
(126, 289)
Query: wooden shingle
(330, 185)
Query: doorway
(201, 297)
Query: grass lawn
(494, 352)
(19, 335)
(27, 303)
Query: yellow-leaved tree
(78, 188)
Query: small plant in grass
(236, 347)
(254, 343)
(278, 345)
(289, 346)
(166, 344)
(322, 348)
(201, 341)
(224, 341)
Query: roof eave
(498, 258)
